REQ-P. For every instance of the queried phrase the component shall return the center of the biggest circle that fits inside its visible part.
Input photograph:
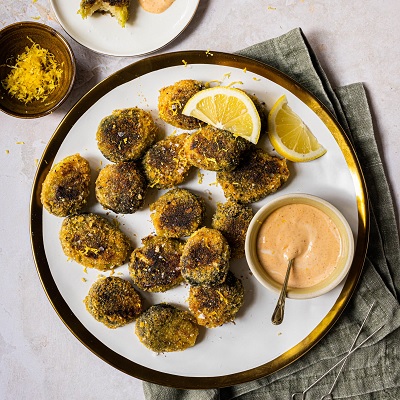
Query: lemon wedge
(290, 136)
(226, 108)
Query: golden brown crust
(232, 220)
(92, 241)
(165, 163)
(205, 258)
(172, 100)
(258, 175)
(177, 213)
(214, 149)
(215, 306)
(126, 134)
(121, 187)
(165, 328)
(113, 301)
(155, 267)
(262, 112)
(65, 189)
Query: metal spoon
(277, 316)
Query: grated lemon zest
(35, 75)
(234, 83)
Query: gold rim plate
(131, 73)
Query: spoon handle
(277, 316)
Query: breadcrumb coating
(205, 258)
(215, 306)
(126, 134)
(65, 189)
(258, 175)
(92, 241)
(121, 187)
(172, 100)
(177, 213)
(155, 267)
(232, 220)
(165, 328)
(214, 149)
(165, 163)
(113, 301)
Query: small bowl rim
(295, 293)
(48, 29)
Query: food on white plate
(113, 301)
(205, 258)
(232, 220)
(128, 138)
(155, 266)
(92, 241)
(258, 175)
(218, 305)
(121, 187)
(214, 149)
(177, 213)
(65, 189)
(166, 328)
(165, 163)
(116, 8)
(126, 134)
(172, 100)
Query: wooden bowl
(13, 41)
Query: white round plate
(232, 353)
(143, 33)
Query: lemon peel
(290, 136)
(226, 108)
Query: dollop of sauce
(156, 6)
(302, 232)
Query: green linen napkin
(373, 371)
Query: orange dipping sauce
(156, 6)
(302, 232)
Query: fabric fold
(372, 371)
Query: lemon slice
(226, 108)
(290, 136)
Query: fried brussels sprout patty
(113, 301)
(165, 163)
(117, 8)
(121, 187)
(172, 100)
(215, 149)
(165, 328)
(65, 189)
(126, 134)
(232, 220)
(215, 306)
(258, 175)
(205, 258)
(177, 213)
(262, 112)
(91, 240)
(155, 267)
